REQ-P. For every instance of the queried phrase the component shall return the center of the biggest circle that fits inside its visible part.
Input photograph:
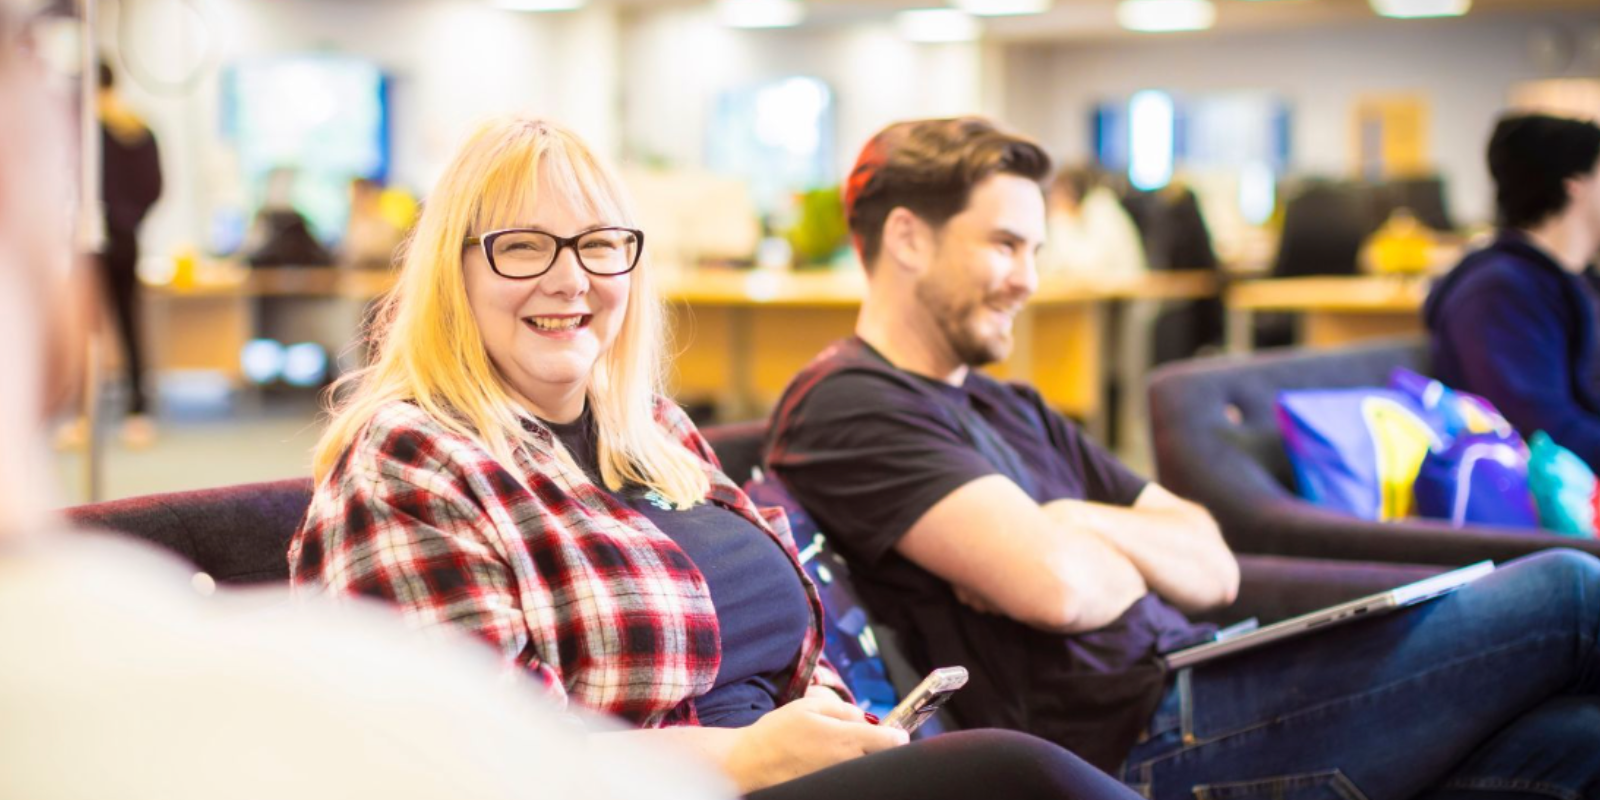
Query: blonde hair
(428, 349)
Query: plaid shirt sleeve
(823, 673)
(397, 521)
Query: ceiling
(1096, 19)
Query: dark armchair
(1217, 443)
(236, 534)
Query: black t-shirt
(868, 449)
(762, 610)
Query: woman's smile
(557, 326)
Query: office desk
(204, 323)
(738, 337)
(1334, 310)
(729, 353)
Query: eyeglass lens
(525, 253)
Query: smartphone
(927, 698)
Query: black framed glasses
(521, 253)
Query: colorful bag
(1451, 413)
(1563, 488)
(1480, 479)
(1356, 450)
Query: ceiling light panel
(1419, 9)
(1165, 16)
(539, 5)
(761, 13)
(1001, 8)
(937, 25)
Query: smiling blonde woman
(508, 465)
(432, 353)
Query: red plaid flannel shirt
(586, 595)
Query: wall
(639, 82)
(1466, 67)
(452, 62)
(677, 61)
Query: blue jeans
(1492, 691)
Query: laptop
(1232, 640)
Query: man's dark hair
(1531, 156)
(929, 168)
(108, 79)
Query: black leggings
(119, 274)
(987, 764)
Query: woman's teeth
(556, 323)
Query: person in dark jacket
(1516, 321)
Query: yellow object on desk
(1402, 246)
(184, 265)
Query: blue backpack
(848, 639)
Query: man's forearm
(1099, 581)
(1177, 551)
(1096, 584)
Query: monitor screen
(305, 125)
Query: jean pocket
(1329, 785)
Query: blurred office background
(1245, 140)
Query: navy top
(762, 611)
(868, 449)
(1510, 324)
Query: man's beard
(953, 316)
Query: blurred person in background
(1089, 232)
(370, 236)
(508, 466)
(130, 184)
(1517, 321)
(118, 679)
(280, 236)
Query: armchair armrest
(1293, 527)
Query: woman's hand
(809, 734)
(818, 690)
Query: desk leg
(738, 400)
(1241, 329)
(94, 456)
(1134, 351)
(1094, 323)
